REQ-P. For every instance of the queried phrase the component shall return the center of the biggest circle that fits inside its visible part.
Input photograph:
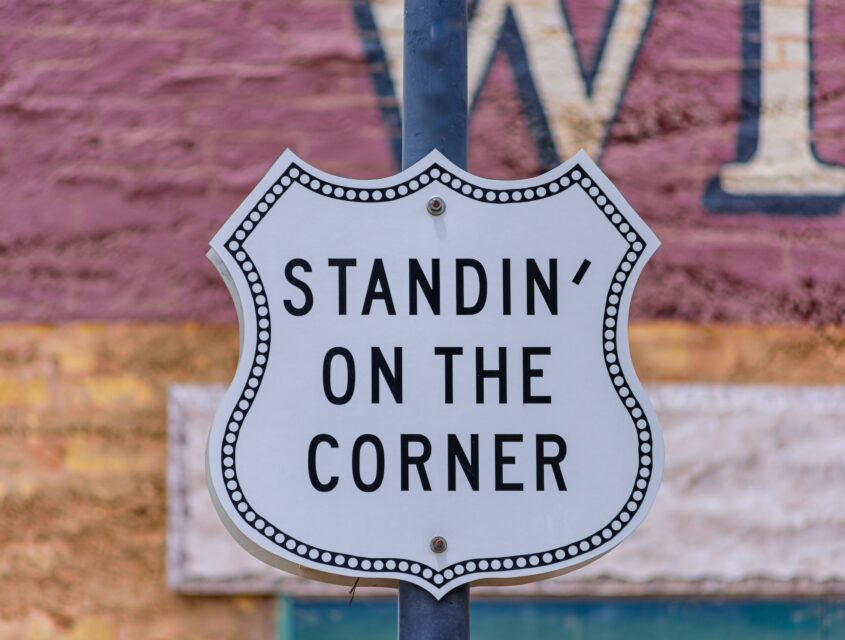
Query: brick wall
(130, 130)
(82, 462)
(82, 484)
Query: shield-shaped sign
(435, 382)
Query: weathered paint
(731, 446)
(609, 620)
(131, 130)
(574, 620)
(82, 480)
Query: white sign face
(407, 378)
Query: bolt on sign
(435, 383)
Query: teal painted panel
(834, 622)
(609, 620)
(361, 620)
(647, 621)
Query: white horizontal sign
(435, 383)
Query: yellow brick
(93, 628)
(24, 391)
(246, 604)
(124, 392)
(89, 456)
(745, 354)
(26, 488)
(40, 627)
(75, 356)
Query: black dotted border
(435, 173)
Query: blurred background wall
(129, 131)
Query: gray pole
(434, 116)
(421, 617)
(434, 105)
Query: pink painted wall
(130, 130)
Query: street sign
(435, 382)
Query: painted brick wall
(129, 131)
(82, 485)
(82, 462)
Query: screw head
(438, 544)
(436, 206)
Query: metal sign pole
(434, 106)
(434, 116)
